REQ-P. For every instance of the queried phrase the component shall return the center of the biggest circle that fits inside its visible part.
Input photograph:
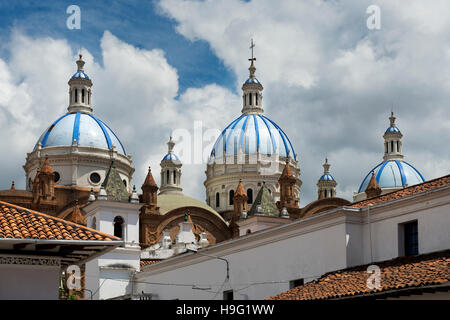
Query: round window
(57, 176)
(95, 177)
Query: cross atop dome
(252, 67)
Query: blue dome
(171, 156)
(250, 134)
(393, 174)
(80, 75)
(252, 80)
(85, 128)
(392, 129)
(326, 177)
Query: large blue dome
(250, 134)
(86, 129)
(393, 174)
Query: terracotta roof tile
(415, 189)
(399, 273)
(21, 223)
(147, 262)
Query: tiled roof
(20, 223)
(400, 273)
(418, 188)
(147, 262)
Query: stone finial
(326, 167)
(170, 145)
(80, 63)
(392, 119)
(13, 186)
(91, 196)
(284, 213)
(134, 197)
(102, 195)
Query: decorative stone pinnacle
(80, 63)
(170, 144)
(326, 167)
(392, 119)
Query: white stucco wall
(262, 264)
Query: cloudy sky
(159, 66)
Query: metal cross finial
(252, 45)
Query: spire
(149, 191)
(149, 180)
(373, 189)
(252, 89)
(46, 167)
(287, 188)
(392, 141)
(239, 202)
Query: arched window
(118, 226)
(217, 200)
(250, 99)
(94, 223)
(82, 95)
(386, 147)
(175, 176)
(326, 193)
(167, 176)
(89, 97)
(256, 99)
(392, 146)
(398, 146)
(231, 197)
(76, 95)
(248, 231)
(250, 196)
(245, 100)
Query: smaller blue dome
(326, 177)
(392, 129)
(252, 80)
(393, 174)
(171, 156)
(81, 75)
(86, 129)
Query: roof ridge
(70, 223)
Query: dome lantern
(392, 141)
(80, 92)
(171, 171)
(326, 186)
